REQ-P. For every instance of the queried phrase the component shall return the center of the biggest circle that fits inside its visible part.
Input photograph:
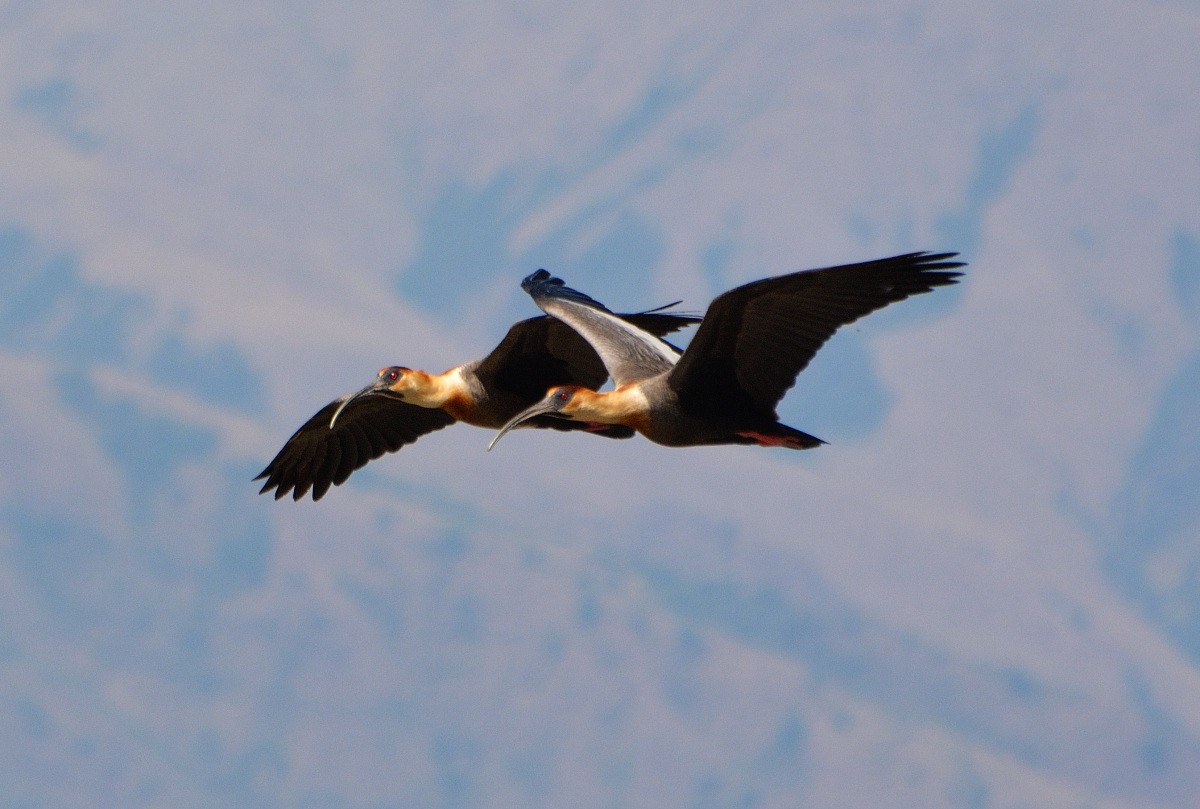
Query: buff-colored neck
(431, 390)
(626, 405)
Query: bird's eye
(563, 396)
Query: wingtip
(280, 489)
(936, 269)
(542, 284)
(939, 261)
(658, 309)
(536, 277)
(688, 317)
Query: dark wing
(542, 352)
(317, 456)
(756, 338)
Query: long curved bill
(374, 387)
(542, 407)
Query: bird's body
(752, 343)
(654, 409)
(404, 404)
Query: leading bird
(752, 343)
(403, 404)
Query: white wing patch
(629, 353)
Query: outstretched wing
(628, 349)
(756, 338)
(318, 456)
(542, 352)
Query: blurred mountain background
(216, 217)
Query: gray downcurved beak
(542, 407)
(374, 387)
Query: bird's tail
(781, 435)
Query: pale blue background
(215, 217)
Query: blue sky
(983, 593)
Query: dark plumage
(753, 342)
(404, 404)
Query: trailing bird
(752, 343)
(403, 404)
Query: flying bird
(403, 404)
(752, 343)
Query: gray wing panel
(630, 354)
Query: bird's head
(560, 402)
(391, 381)
(395, 379)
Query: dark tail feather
(780, 435)
(798, 439)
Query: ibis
(751, 344)
(403, 404)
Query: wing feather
(541, 352)
(316, 457)
(755, 339)
(628, 350)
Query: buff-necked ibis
(403, 404)
(752, 343)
